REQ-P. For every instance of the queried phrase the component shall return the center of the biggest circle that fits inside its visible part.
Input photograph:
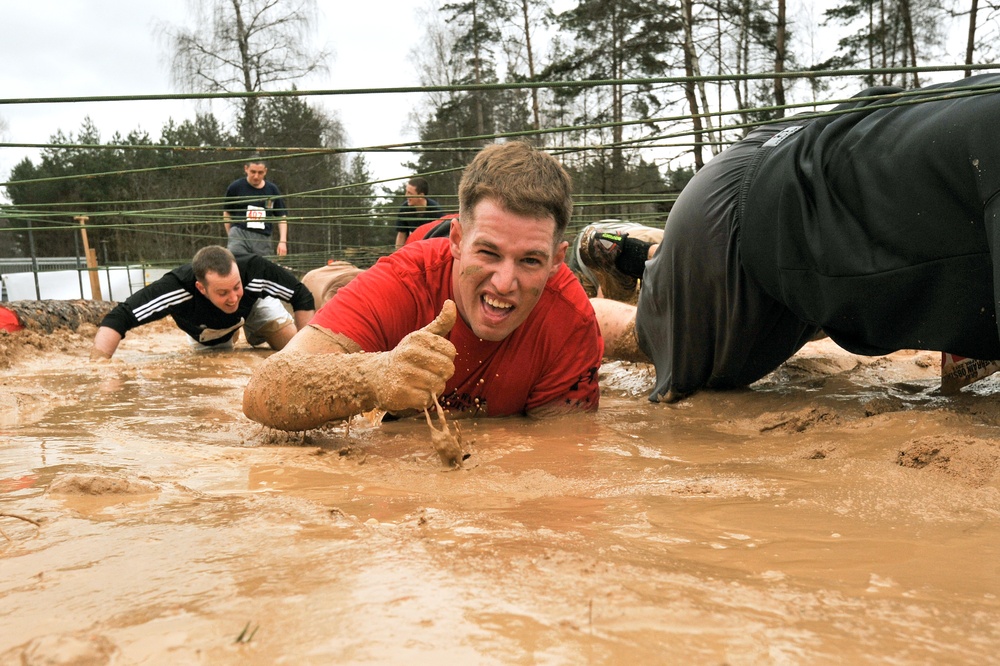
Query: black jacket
(175, 294)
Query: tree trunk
(477, 96)
(911, 42)
(617, 111)
(687, 12)
(251, 107)
(536, 115)
(872, 30)
(779, 59)
(883, 33)
(970, 44)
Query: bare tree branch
(244, 46)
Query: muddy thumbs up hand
(445, 320)
(420, 365)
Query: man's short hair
(521, 179)
(255, 159)
(215, 259)
(419, 184)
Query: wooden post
(91, 256)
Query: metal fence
(66, 278)
(27, 264)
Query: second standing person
(418, 209)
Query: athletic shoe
(598, 249)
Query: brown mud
(841, 511)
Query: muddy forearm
(293, 391)
(311, 382)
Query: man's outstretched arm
(105, 343)
(320, 377)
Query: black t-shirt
(881, 224)
(252, 208)
(409, 218)
(700, 319)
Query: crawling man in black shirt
(210, 299)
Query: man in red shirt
(489, 319)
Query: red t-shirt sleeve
(379, 308)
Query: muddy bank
(841, 511)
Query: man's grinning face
(502, 263)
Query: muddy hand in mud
(447, 444)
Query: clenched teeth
(497, 304)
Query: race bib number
(255, 217)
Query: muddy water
(841, 512)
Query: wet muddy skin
(838, 512)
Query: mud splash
(840, 511)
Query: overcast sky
(67, 48)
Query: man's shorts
(267, 317)
(244, 241)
